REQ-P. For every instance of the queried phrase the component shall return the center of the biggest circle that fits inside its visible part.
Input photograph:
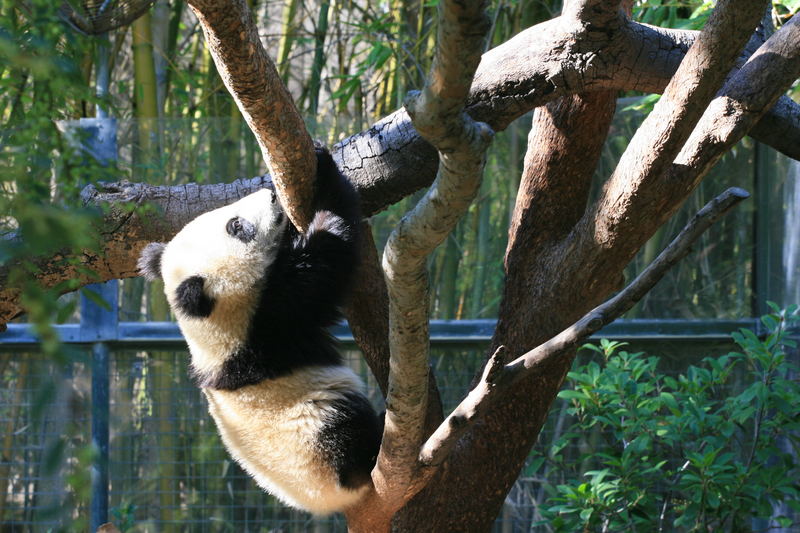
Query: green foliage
(708, 450)
(786, 8)
(690, 15)
(693, 14)
(124, 516)
(42, 167)
(380, 40)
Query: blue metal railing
(168, 335)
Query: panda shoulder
(337, 205)
(331, 223)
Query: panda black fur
(254, 298)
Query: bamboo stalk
(163, 385)
(144, 90)
(172, 44)
(8, 435)
(448, 296)
(481, 255)
(319, 60)
(288, 27)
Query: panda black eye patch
(241, 229)
(191, 300)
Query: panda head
(220, 256)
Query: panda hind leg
(350, 439)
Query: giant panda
(254, 298)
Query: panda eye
(234, 227)
(240, 229)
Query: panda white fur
(254, 299)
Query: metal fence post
(100, 408)
(98, 326)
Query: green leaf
(670, 402)
(571, 395)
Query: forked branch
(744, 99)
(499, 378)
(662, 134)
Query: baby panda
(254, 298)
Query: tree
(565, 255)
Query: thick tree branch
(498, 379)
(555, 180)
(561, 57)
(779, 127)
(662, 134)
(568, 277)
(251, 77)
(437, 112)
(549, 60)
(367, 310)
(739, 104)
(559, 163)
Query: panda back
(310, 438)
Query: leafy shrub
(708, 450)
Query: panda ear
(150, 261)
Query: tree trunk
(538, 302)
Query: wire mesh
(168, 469)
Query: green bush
(708, 450)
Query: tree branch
(251, 77)
(498, 379)
(367, 310)
(570, 277)
(740, 104)
(779, 127)
(389, 160)
(438, 115)
(559, 163)
(662, 134)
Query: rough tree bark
(554, 278)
